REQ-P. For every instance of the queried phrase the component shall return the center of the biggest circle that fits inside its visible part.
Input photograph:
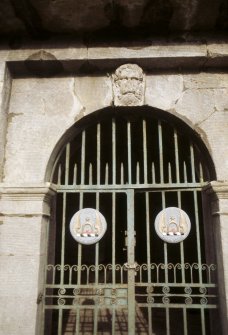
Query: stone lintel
(151, 57)
(22, 201)
(218, 193)
(218, 189)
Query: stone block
(22, 235)
(205, 81)
(36, 123)
(94, 92)
(17, 315)
(163, 91)
(197, 105)
(20, 275)
(215, 128)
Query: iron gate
(131, 282)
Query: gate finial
(128, 85)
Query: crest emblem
(172, 225)
(88, 226)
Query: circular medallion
(172, 225)
(88, 226)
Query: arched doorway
(129, 164)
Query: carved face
(128, 85)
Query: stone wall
(36, 113)
(42, 110)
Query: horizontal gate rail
(119, 188)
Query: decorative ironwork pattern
(189, 292)
(129, 167)
(92, 166)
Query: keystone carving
(128, 85)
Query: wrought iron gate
(129, 167)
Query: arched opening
(129, 164)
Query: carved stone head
(128, 85)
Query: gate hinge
(39, 298)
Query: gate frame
(214, 209)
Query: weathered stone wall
(35, 113)
(41, 111)
(24, 219)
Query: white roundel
(172, 225)
(88, 226)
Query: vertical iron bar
(196, 213)
(129, 150)
(167, 321)
(201, 172)
(97, 208)
(185, 321)
(137, 173)
(113, 320)
(169, 173)
(185, 173)
(67, 164)
(95, 321)
(121, 174)
(131, 260)
(160, 144)
(64, 224)
(165, 244)
(98, 153)
(90, 174)
(75, 175)
(113, 237)
(97, 245)
(83, 158)
(60, 321)
(106, 173)
(113, 254)
(192, 163)
(148, 235)
(176, 156)
(79, 245)
(203, 321)
(181, 243)
(153, 174)
(79, 269)
(198, 235)
(166, 271)
(113, 151)
(148, 259)
(63, 239)
(145, 152)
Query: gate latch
(133, 266)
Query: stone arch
(197, 134)
(129, 113)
